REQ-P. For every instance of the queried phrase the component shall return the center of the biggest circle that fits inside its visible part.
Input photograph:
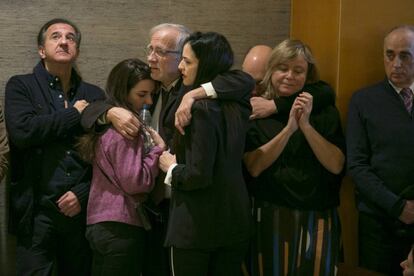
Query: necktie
(407, 96)
(164, 96)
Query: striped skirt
(293, 242)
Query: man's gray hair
(183, 33)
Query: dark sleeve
(368, 184)
(234, 85)
(323, 96)
(283, 104)
(26, 125)
(82, 187)
(92, 112)
(201, 146)
(330, 127)
(252, 137)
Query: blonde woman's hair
(283, 52)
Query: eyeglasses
(158, 51)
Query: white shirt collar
(398, 89)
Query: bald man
(255, 63)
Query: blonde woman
(296, 161)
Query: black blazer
(209, 203)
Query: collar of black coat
(54, 81)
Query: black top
(297, 179)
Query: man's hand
(69, 204)
(407, 215)
(166, 160)
(124, 122)
(79, 105)
(183, 113)
(262, 107)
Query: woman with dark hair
(296, 161)
(209, 222)
(123, 173)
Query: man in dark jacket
(380, 148)
(49, 183)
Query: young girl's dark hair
(215, 56)
(122, 78)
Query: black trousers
(156, 259)
(222, 261)
(118, 248)
(381, 249)
(57, 245)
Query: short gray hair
(183, 33)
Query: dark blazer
(39, 136)
(380, 150)
(209, 202)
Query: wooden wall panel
(316, 24)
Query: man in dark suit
(380, 146)
(163, 55)
(49, 184)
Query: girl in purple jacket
(123, 174)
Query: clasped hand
(300, 112)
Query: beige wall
(117, 29)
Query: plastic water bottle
(145, 115)
(146, 118)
